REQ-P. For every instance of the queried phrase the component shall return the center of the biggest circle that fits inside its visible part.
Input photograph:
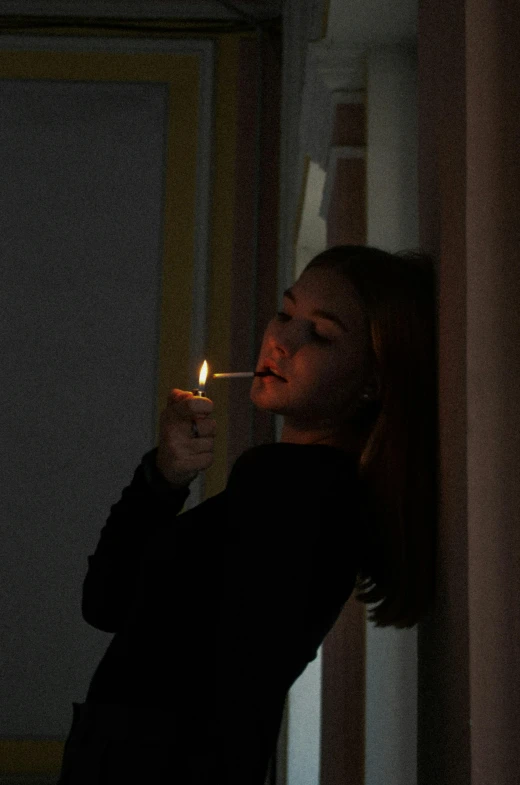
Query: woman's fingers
(184, 450)
(184, 404)
(199, 406)
(201, 445)
(176, 429)
(206, 427)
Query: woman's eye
(320, 338)
(282, 316)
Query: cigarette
(240, 375)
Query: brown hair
(398, 464)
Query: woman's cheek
(332, 378)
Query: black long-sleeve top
(216, 611)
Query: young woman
(216, 611)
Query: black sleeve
(293, 512)
(250, 581)
(148, 504)
(261, 569)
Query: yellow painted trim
(179, 237)
(325, 18)
(27, 756)
(127, 28)
(301, 199)
(223, 225)
(96, 66)
(181, 74)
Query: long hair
(398, 462)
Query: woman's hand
(181, 455)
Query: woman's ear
(369, 394)
(372, 388)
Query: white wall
(392, 177)
(391, 655)
(304, 726)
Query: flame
(203, 375)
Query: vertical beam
(243, 298)
(443, 705)
(268, 207)
(345, 197)
(493, 378)
(221, 266)
(245, 234)
(343, 699)
(470, 175)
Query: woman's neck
(297, 433)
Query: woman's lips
(271, 374)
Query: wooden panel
(347, 209)
(349, 126)
(268, 210)
(444, 732)
(243, 283)
(220, 284)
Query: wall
(469, 175)
(84, 216)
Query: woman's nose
(285, 337)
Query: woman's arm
(154, 497)
(148, 504)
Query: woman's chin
(262, 399)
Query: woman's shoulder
(296, 492)
(286, 465)
(289, 454)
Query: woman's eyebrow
(318, 311)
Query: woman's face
(317, 349)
